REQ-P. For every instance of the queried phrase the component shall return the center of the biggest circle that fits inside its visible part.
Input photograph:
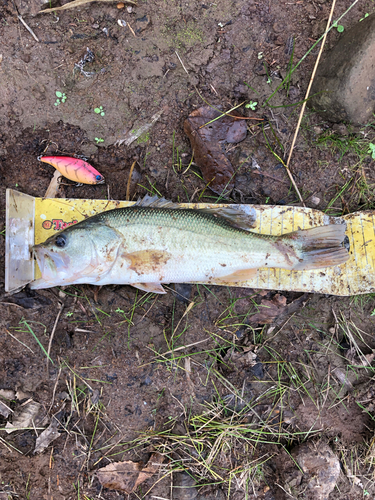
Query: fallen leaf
(24, 417)
(241, 359)
(47, 436)
(136, 132)
(269, 310)
(77, 3)
(4, 410)
(7, 394)
(126, 476)
(207, 140)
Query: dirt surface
(225, 399)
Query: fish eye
(98, 177)
(60, 240)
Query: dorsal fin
(232, 213)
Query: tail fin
(321, 246)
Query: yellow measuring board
(32, 220)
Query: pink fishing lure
(75, 169)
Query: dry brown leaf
(25, 417)
(126, 476)
(47, 436)
(240, 360)
(153, 466)
(270, 311)
(206, 141)
(78, 3)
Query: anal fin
(242, 275)
(149, 287)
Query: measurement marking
(260, 230)
(268, 270)
(363, 236)
(291, 272)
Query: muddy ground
(222, 394)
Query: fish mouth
(51, 264)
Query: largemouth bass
(154, 242)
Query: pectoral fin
(149, 287)
(242, 275)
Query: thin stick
(54, 185)
(28, 28)
(129, 180)
(304, 104)
(131, 29)
(182, 64)
(53, 331)
(15, 338)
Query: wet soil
(115, 374)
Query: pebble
(321, 468)
(314, 200)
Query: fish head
(79, 254)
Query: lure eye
(98, 177)
(60, 241)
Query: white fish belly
(160, 261)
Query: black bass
(154, 242)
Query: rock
(182, 292)
(315, 201)
(344, 86)
(340, 129)
(321, 469)
(32, 7)
(184, 487)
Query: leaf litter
(208, 136)
(25, 417)
(47, 436)
(127, 476)
(79, 3)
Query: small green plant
(339, 27)
(371, 151)
(99, 111)
(364, 17)
(142, 139)
(61, 97)
(251, 105)
(98, 140)
(269, 80)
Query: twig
(28, 28)
(15, 338)
(53, 331)
(54, 185)
(131, 29)
(305, 100)
(223, 113)
(129, 180)
(182, 64)
(131, 136)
